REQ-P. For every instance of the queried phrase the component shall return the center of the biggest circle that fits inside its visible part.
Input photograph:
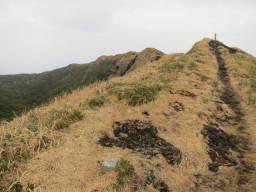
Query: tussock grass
(96, 102)
(124, 170)
(135, 94)
(31, 134)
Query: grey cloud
(42, 35)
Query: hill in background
(25, 91)
(185, 122)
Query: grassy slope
(70, 159)
(20, 92)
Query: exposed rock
(157, 183)
(209, 182)
(183, 93)
(220, 146)
(145, 113)
(132, 60)
(142, 137)
(177, 106)
(109, 164)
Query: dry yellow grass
(72, 160)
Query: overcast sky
(41, 35)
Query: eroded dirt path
(226, 149)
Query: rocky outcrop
(132, 60)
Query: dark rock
(145, 113)
(177, 106)
(161, 186)
(213, 167)
(158, 184)
(183, 93)
(150, 177)
(142, 137)
(220, 143)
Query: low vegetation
(32, 135)
(96, 102)
(18, 187)
(66, 117)
(135, 94)
(125, 171)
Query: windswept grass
(33, 133)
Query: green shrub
(96, 102)
(4, 165)
(32, 127)
(66, 117)
(124, 171)
(75, 115)
(136, 94)
(17, 187)
(142, 94)
(30, 187)
(61, 124)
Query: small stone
(213, 167)
(145, 113)
(109, 164)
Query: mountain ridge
(29, 90)
(185, 122)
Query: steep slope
(20, 92)
(183, 123)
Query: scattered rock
(161, 186)
(109, 164)
(183, 93)
(204, 78)
(177, 106)
(220, 143)
(141, 137)
(202, 181)
(186, 93)
(150, 177)
(158, 184)
(145, 113)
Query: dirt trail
(219, 150)
(228, 96)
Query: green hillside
(25, 91)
